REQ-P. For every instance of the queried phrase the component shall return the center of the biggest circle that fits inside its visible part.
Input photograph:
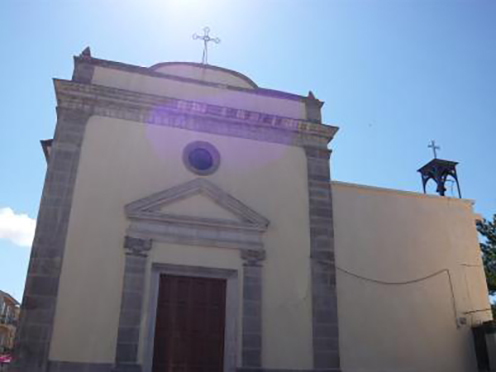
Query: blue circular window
(201, 158)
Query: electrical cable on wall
(406, 282)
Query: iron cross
(433, 146)
(206, 39)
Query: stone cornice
(91, 62)
(197, 222)
(154, 109)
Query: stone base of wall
(285, 370)
(79, 367)
(108, 367)
(91, 367)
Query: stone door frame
(148, 224)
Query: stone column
(126, 357)
(251, 352)
(324, 296)
(40, 296)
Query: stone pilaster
(251, 352)
(40, 296)
(126, 358)
(324, 296)
(312, 107)
(83, 68)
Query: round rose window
(201, 158)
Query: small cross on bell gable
(439, 171)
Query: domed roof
(205, 73)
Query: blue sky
(394, 74)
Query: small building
(189, 223)
(9, 316)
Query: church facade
(188, 222)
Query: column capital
(317, 152)
(252, 257)
(137, 246)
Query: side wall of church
(123, 161)
(409, 279)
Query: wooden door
(189, 330)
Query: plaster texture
(123, 161)
(400, 237)
(399, 274)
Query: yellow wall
(380, 234)
(247, 100)
(123, 161)
(385, 235)
(394, 236)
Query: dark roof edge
(149, 72)
(437, 160)
(10, 296)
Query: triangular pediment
(198, 202)
(200, 206)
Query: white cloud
(18, 228)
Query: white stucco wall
(122, 161)
(392, 236)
